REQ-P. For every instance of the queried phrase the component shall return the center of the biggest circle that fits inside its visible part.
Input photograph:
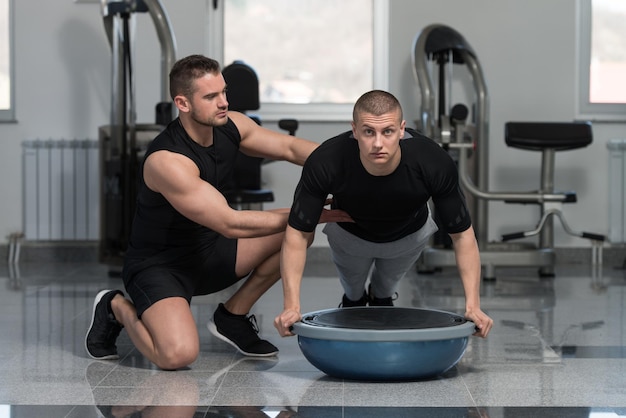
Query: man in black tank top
(186, 240)
(383, 176)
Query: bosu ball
(383, 343)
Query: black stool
(548, 138)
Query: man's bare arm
(177, 178)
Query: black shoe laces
(253, 323)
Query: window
(6, 62)
(314, 58)
(602, 46)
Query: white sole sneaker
(213, 329)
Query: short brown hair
(186, 70)
(376, 102)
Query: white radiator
(61, 196)
(617, 190)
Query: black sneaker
(104, 328)
(348, 303)
(240, 331)
(374, 301)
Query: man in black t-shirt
(383, 176)
(186, 240)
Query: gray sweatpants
(384, 263)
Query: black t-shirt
(384, 208)
(159, 233)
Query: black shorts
(200, 273)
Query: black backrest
(242, 86)
(242, 93)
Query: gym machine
(123, 142)
(436, 49)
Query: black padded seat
(538, 136)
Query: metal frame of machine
(445, 46)
(123, 142)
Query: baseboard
(60, 251)
(87, 251)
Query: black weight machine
(123, 142)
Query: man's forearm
(292, 262)
(468, 265)
(301, 149)
(252, 223)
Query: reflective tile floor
(558, 349)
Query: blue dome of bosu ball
(383, 343)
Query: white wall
(527, 51)
(62, 76)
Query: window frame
(587, 109)
(8, 115)
(311, 112)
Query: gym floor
(557, 349)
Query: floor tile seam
(97, 385)
(279, 387)
(220, 385)
(86, 400)
(470, 394)
(71, 411)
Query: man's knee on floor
(177, 356)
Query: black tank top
(160, 235)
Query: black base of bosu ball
(383, 343)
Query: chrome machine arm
(434, 43)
